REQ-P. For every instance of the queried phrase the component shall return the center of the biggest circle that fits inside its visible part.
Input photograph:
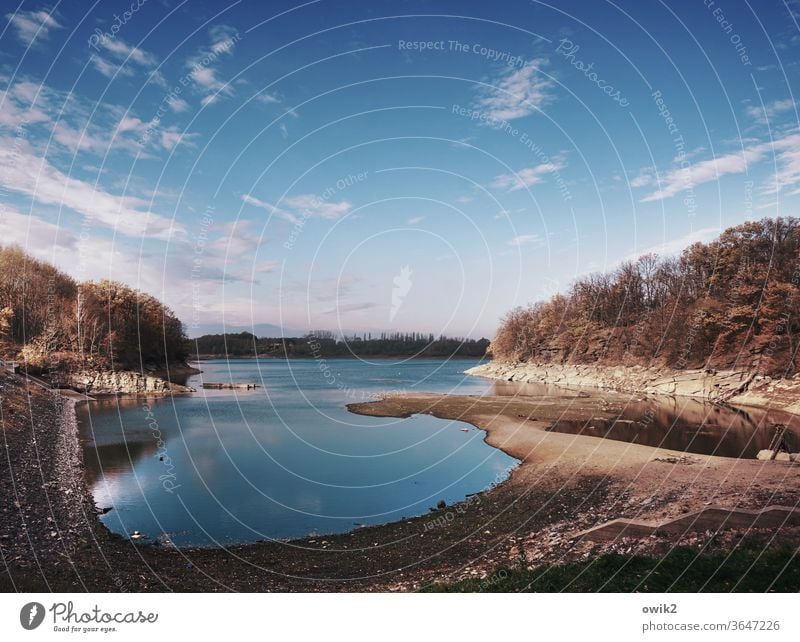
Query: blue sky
(380, 166)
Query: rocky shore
(124, 382)
(730, 386)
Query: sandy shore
(51, 539)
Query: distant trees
(325, 344)
(731, 302)
(51, 321)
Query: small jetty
(231, 386)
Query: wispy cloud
(123, 57)
(33, 233)
(269, 207)
(784, 150)
(416, 220)
(677, 245)
(517, 92)
(30, 25)
(25, 172)
(311, 205)
(302, 206)
(526, 177)
(526, 239)
(202, 69)
(768, 112)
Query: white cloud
(267, 99)
(783, 150)
(310, 205)
(302, 206)
(122, 54)
(123, 51)
(33, 233)
(644, 178)
(768, 112)
(178, 105)
(201, 66)
(517, 92)
(109, 69)
(32, 24)
(526, 239)
(255, 202)
(27, 173)
(222, 38)
(416, 220)
(675, 246)
(525, 177)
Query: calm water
(285, 460)
(678, 423)
(288, 460)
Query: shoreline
(734, 387)
(562, 484)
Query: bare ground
(51, 539)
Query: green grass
(681, 570)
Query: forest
(326, 344)
(730, 303)
(50, 322)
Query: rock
(123, 381)
(442, 504)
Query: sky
(377, 166)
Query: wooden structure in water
(231, 386)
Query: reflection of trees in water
(675, 423)
(115, 450)
(115, 459)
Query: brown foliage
(729, 303)
(52, 321)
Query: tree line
(732, 302)
(326, 344)
(51, 322)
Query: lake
(285, 460)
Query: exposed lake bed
(564, 484)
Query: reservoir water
(287, 459)
(284, 460)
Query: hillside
(57, 326)
(729, 304)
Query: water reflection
(281, 461)
(675, 423)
